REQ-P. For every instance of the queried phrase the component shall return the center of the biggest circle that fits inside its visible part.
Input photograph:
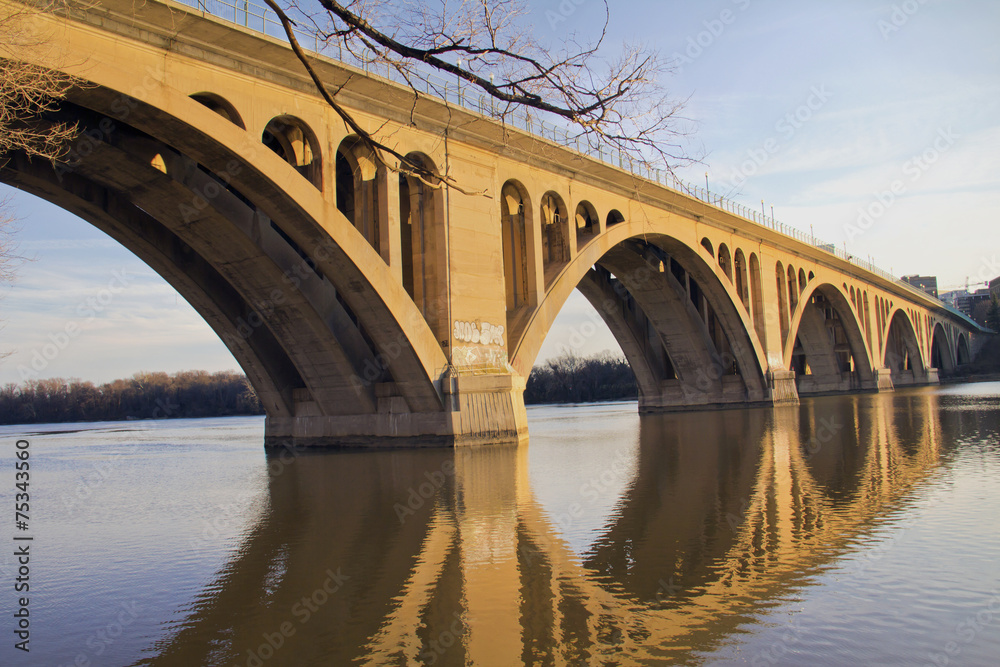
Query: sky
(875, 125)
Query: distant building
(995, 288)
(950, 297)
(974, 304)
(926, 283)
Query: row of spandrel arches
(289, 137)
(743, 273)
(367, 193)
(519, 218)
(400, 215)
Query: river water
(847, 530)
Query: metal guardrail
(260, 19)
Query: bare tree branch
(614, 104)
(27, 91)
(405, 164)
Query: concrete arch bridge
(370, 307)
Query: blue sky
(820, 109)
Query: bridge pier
(782, 388)
(674, 395)
(479, 409)
(883, 378)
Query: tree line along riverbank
(191, 394)
(186, 394)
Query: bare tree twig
(405, 165)
(615, 104)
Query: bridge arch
(962, 355)
(298, 296)
(555, 235)
(357, 188)
(942, 356)
(827, 340)
(902, 354)
(783, 316)
(221, 106)
(423, 244)
(740, 275)
(726, 261)
(588, 225)
(793, 289)
(645, 267)
(296, 143)
(757, 297)
(518, 269)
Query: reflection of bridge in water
(707, 531)
(367, 306)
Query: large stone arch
(646, 357)
(609, 251)
(942, 354)
(962, 354)
(302, 300)
(811, 327)
(902, 355)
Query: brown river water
(850, 530)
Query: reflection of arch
(941, 353)
(902, 351)
(588, 225)
(297, 145)
(962, 355)
(725, 261)
(422, 244)
(827, 348)
(515, 218)
(357, 188)
(555, 235)
(614, 217)
(221, 106)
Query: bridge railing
(259, 18)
